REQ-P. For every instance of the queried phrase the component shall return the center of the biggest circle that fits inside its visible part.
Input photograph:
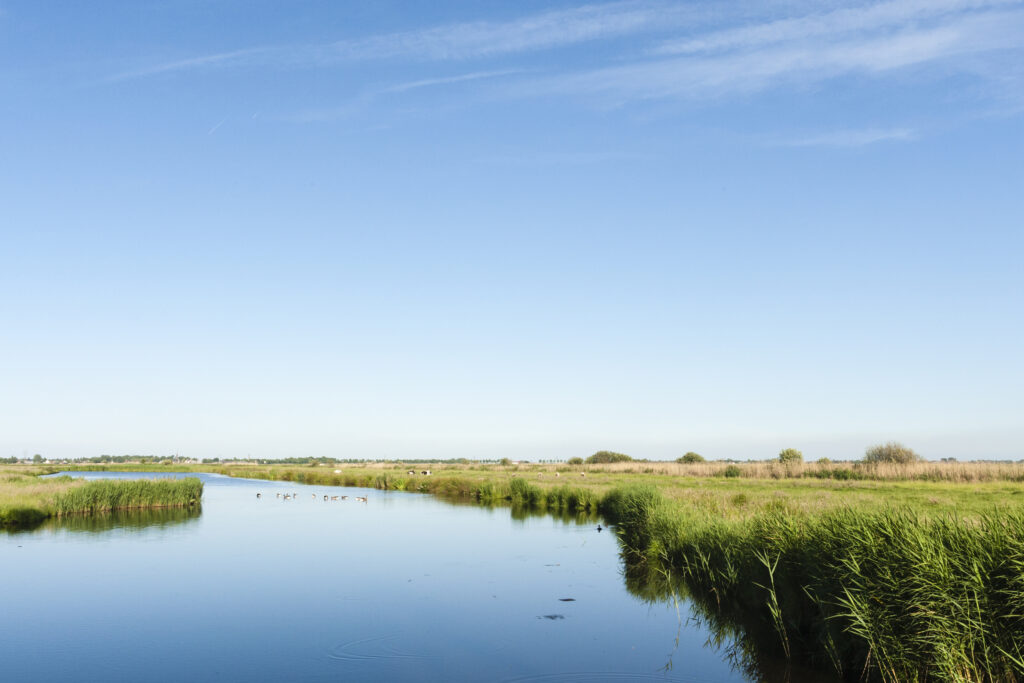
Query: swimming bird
(279, 495)
(259, 495)
(314, 496)
(599, 527)
(286, 496)
(344, 497)
(334, 498)
(361, 499)
(325, 498)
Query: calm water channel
(404, 587)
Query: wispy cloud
(850, 138)
(446, 80)
(457, 41)
(895, 14)
(364, 99)
(761, 64)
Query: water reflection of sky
(404, 587)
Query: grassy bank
(890, 593)
(897, 573)
(26, 500)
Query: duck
(334, 498)
(259, 495)
(361, 499)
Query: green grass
(901, 595)
(27, 500)
(103, 495)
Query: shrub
(606, 457)
(575, 461)
(732, 471)
(824, 461)
(790, 455)
(690, 457)
(891, 452)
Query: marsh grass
(895, 594)
(108, 494)
(26, 500)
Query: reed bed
(887, 594)
(26, 500)
(107, 494)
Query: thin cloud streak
(850, 138)
(460, 41)
(802, 63)
(875, 17)
(364, 99)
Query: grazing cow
(411, 473)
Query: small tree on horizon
(790, 455)
(690, 457)
(606, 457)
(891, 452)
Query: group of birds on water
(295, 496)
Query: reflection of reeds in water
(132, 520)
(898, 595)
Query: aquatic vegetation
(111, 494)
(26, 500)
(891, 592)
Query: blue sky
(522, 229)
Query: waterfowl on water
(334, 498)
(314, 496)
(599, 527)
(258, 495)
(325, 498)
(279, 495)
(361, 499)
(344, 497)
